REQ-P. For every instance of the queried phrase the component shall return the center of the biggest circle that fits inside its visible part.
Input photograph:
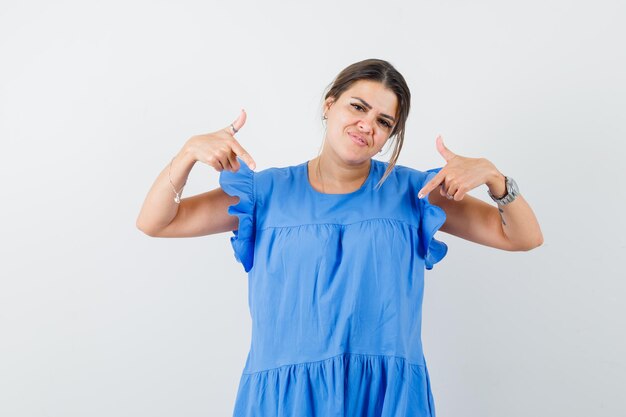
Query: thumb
(238, 123)
(443, 150)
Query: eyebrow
(366, 104)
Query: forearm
(159, 207)
(518, 220)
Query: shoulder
(277, 173)
(402, 174)
(276, 180)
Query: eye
(385, 123)
(356, 106)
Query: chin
(350, 154)
(353, 159)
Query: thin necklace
(319, 174)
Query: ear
(327, 103)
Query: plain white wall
(98, 319)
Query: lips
(359, 138)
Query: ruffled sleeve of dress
(433, 217)
(242, 184)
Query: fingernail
(420, 195)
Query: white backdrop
(98, 319)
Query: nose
(365, 125)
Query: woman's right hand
(220, 149)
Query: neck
(336, 175)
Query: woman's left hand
(462, 174)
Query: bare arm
(511, 227)
(199, 215)
(515, 228)
(202, 214)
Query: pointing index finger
(431, 185)
(241, 152)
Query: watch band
(512, 191)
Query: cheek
(341, 125)
(380, 138)
(343, 119)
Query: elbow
(146, 230)
(532, 244)
(538, 241)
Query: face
(360, 120)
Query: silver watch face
(511, 186)
(512, 191)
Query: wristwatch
(512, 191)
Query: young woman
(335, 249)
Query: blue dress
(335, 288)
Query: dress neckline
(305, 166)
